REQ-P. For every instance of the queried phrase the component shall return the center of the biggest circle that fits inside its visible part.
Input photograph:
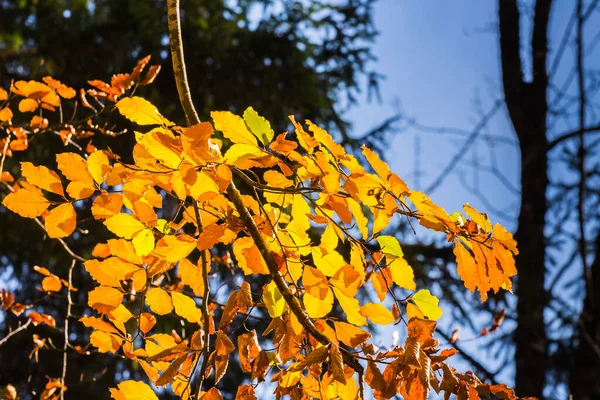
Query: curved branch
(290, 299)
(174, 26)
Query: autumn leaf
(185, 307)
(233, 127)
(26, 203)
(42, 177)
(104, 299)
(428, 304)
(61, 221)
(159, 301)
(258, 125)
(132, 390)
(377, 313)
(141, 111)
(274, 300)
(124, 225)
(51, 284)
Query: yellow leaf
(428, 304)
(162, 145)
(258, 125)
(105, 342)
(274, 300)
(174, 248)
(98, 166)
(143, 242)
(42, 177)
(61, 221)
(51, 284)
(191, 275)
(185, 307)
(124, 225)
(242, 154)
(359, 217)
(328, 264)
(480, 219)
(141, 111)
(317, 308)
(120, 314)
(233, 127)
(402, 274)
(380, 167)
(377, 313)
(132, 390)
(351, 307)
(390, 247)
(105, 299)
(26, 203)
(159, 301)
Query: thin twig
(66, 344)
(19, 329)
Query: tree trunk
(527, 106)
(585, 376)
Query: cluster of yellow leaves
(299, 186)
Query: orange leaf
(26, 203)
(105, 299)
(147, 321)
(51, 284)
(61, 221)
(42, 177)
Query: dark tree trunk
(527, 106)
(585, 377)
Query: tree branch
(174, 26)
(290, 299)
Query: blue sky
(439, 58)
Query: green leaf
(258, 125)
(390, 247)
(428, 304)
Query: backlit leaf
(377, 313)
(61, 221)
(428, 304)
(233, 127)
(124, 225)
(105, 299)
(258, 125)
(26, 203)
(159, 301)
(274, 300)
(42, 177)
(141, 111)
(185, 307)
(132, 390)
